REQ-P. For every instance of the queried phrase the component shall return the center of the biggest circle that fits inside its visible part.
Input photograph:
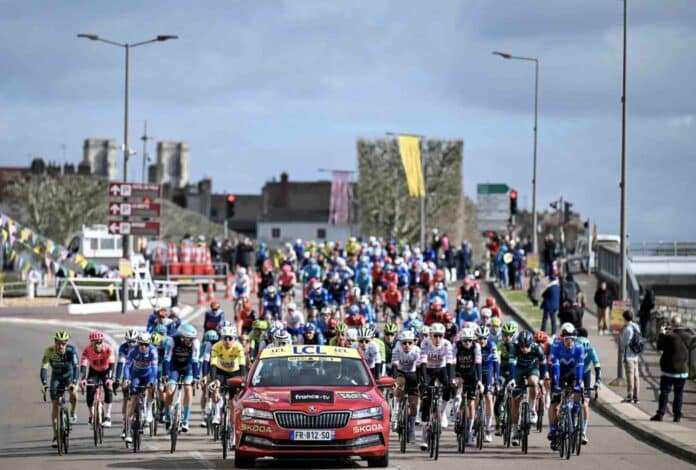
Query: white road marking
(198, 456)
(81, 326)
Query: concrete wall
(290, 231)
(173, 163)
(101, 155)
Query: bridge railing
(674, 248)
(609, 269)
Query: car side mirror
(236, 382)
(385, 381)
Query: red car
(308, 402)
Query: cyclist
(389, 343)
(210, 337)
(281, 338)
(364, 280)
(435, 312)
(312, 270)
(245, 317)
(490, 370)
(311, 335)
(161, 317)
(405, 362)
(567, 365)
(339, 339)
(451, 329)
(98, 359)
(467, 376)
(413, 323)
(294, 320)
(124, 349)
(467, 292)
(486, 317)
(286, 281)
(591, 359)
(63, 359)
(437, 364)
(354, 318)
(227, 360)
(495, 310)
(392, 301)
(466, 313)
(440, 292)
(213, 317)
(504, 347)
(256, 337)
(140, 370)
(366, 310)
(271, 303)
(496, 330)
(527, 360)
(318, 296)
(242, 284)
(369, 350)
(181, 364)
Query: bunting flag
(341, 195)
(409, 147)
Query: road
(25, 433)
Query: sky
(261, 87)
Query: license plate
(311, 435)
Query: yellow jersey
(227, 359)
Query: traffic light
(566, 211)
(554, 205)
(231, 199)
(513, 202)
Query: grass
(519, 300)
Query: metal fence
(674, 248)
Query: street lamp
(505, 55)
(93, 37)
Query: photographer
(673, 341)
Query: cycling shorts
(520, 375)
(566, 380)
(587, 384)
(175, 375)
(285, 289)
(411, 385)
(57, 385)
(468, 384)
(136, 382)
(487, 381)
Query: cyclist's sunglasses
(60, 343)
(407, 343)
(98, 342)
(228, 338)
(364, 341)
(438, 335)
(143, 344)
(467, 341)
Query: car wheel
(242, 461)
(380, 462)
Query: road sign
(136, 190)
(127, 209)
(492, 207)
(118, 227)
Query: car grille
(301, 420)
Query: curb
(676, 440)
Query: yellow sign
(617, 309)
(409, 147)
(533, 261)
(309, 350)
(124, 268)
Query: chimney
(284, 191)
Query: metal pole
(144, 138)
(125, 240)
(535, 241)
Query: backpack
(637, 342)
(569, 292)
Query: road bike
(568, 434)
(137, 423)
(175, 415)
(226, 420)
(402, 421)
(62, 424)
(462, 423)
(540, 407)
(479, 419)
(97, 412)
(524, 416)
(506, 417)
(435, 426)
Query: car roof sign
(309, 350)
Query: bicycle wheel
(174, 428)
(100, 415)
(155, 415)
(436, 439)
(524, 426)
(567, 436)
(59, 432)
(579, 426)
(465, 432)
(403, 429)
(224, 431)
(479, 426)
(65, 435)
(540, 412)
(135, 428)
(95, 432)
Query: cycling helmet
(425, 331)
(439, 285)
(292, 306)
(341, 328)
(437, 329)
(132, 333)
(490, 301)
(352, 334)
(96, 335)
(365, 333)
(187, 331)
(144, 337)
(223, 324)
(407, 335)
(241, 270)
(310, 328)
(271, 290)
(388, 267)
(496, 322)
(353, 310)
(510, 328)
(482, 332)
(211, 336)
(567, 329)
(326, 311)
(333, 323)
(390, 328)
(486, 312)
(260, 325)
(466, 333)
(541, 336)
(61, 335)
(525, 339)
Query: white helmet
(144, 337)
(352, 334)
(407, 335)
(364, 299)
(439, 285)
(355, 291)
(365, 333)
(241, 270)
(425, 331)
(271, 290)
(316, 285)
(466, 333)
(437, 300)
(486, 312)
(470, 305)
(281, 338)
(398, 261)
(437, 329)
(567, 329)
(482, 332)
(228, 331)
(131, 334)
(413, 315)
(292, 306)
(341, 262)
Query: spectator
(512, 266)
(673, 342)
(451, 264)
(603, 299)
(646, 308)
(534, 289)
(464, 255)
(548, 254)
(630, 358)
(551, 304)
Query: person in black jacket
(646, 308)
(603, 300)
(674, 343)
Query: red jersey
(98, 361)
(434, 317)
(356, 320)
(392, 297)
(389, 276)
(287, 279)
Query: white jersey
(406, 362)
(371, 354)
(437, 357)
(295, 320)
(241, 281)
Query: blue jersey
(470, 317)
(414, 325)
(183, 358)
(213, 319)
(438, 293)
(272, 303)
(311, 271)
(403, 276)
(566, 361)
(142, 364)
(204, 357)
(172, 325)
(364, 282)
(591, 356)
(319, 299)
(123, 350)
(165, 343)
(489, 358)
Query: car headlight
(375, 412)
(255, 413)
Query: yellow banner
(409, 147)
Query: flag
(409, 147)
(341, 195)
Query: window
(321, 233)
(275, 232)
(107, 243)
(93, 244)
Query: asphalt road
(25, 432)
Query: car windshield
(316, 371)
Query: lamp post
(504, 55)
(127, 46)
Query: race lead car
(311, 402)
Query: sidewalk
(676, 439)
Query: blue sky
(257, 88)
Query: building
(101, 156)
(172, 165)
(291, 210)
(247, 208)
